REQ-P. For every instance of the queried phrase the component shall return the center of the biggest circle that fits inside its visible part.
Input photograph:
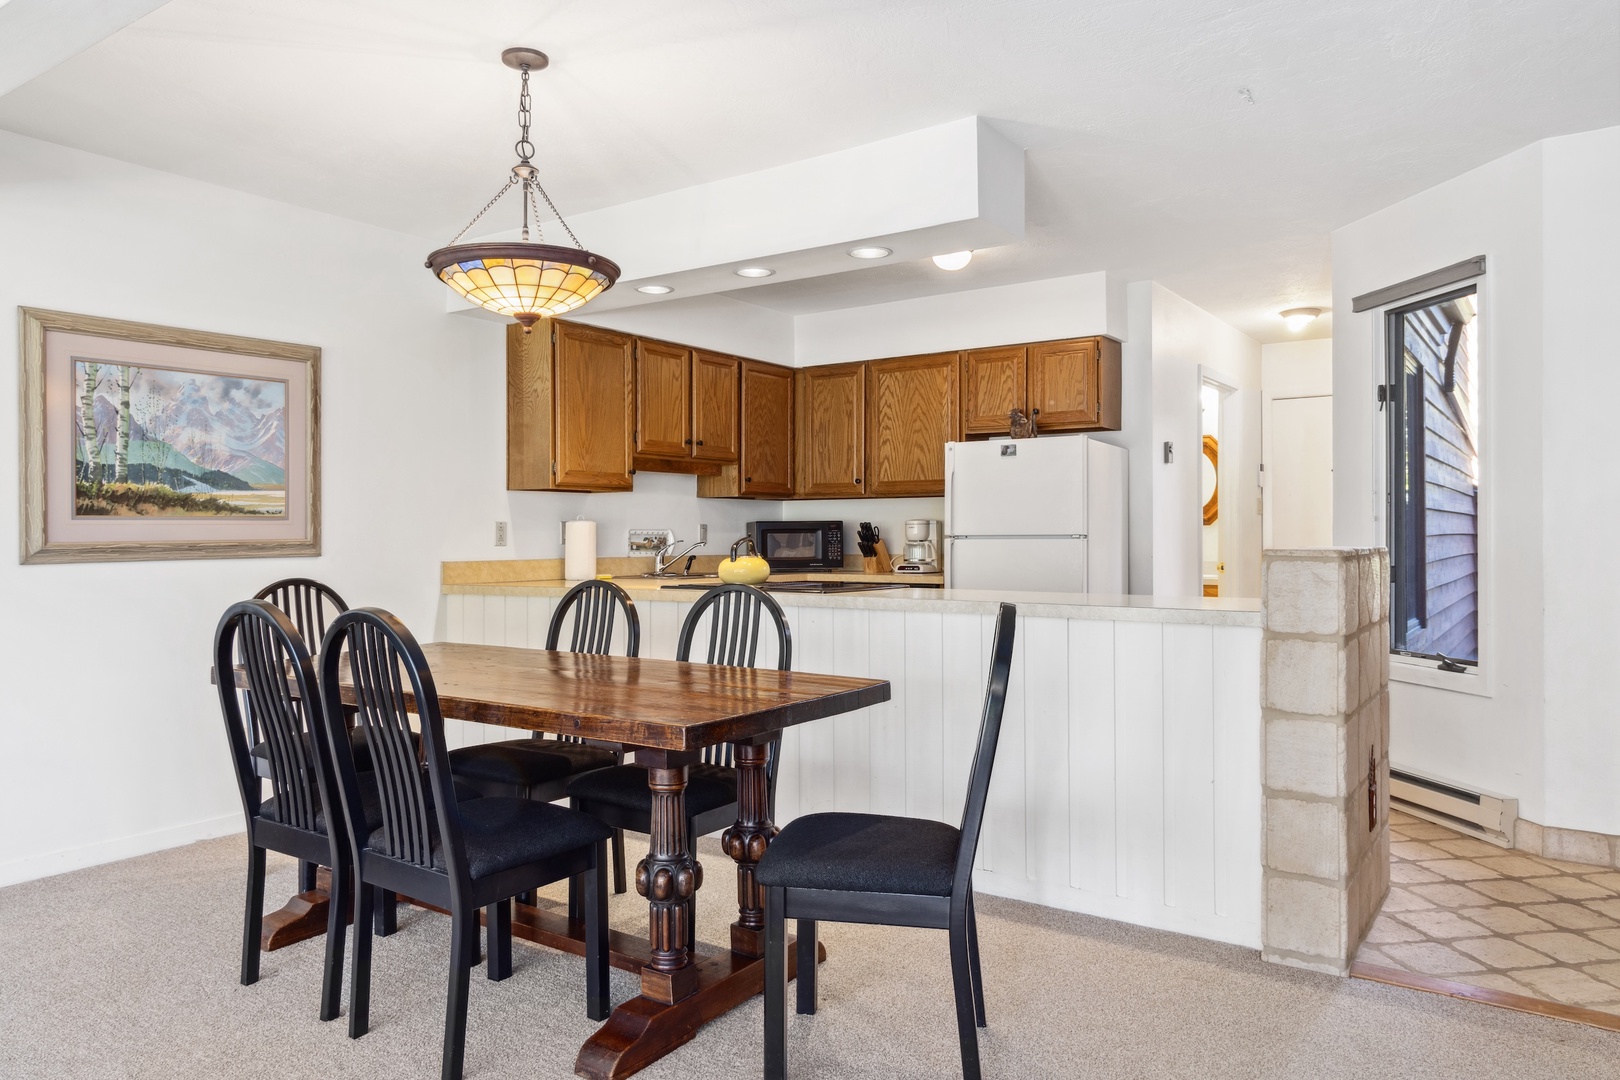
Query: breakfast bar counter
(1128, 780)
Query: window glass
(1433, 422)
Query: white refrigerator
(1037, 515)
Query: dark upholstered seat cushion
(357, 745)
(581, 757)
(863, 853)
(502, 833)
(708, 787)
(514, 762)
(370, 803)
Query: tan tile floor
(1467, 911)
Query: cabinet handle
(688, 442)
(857, 479)
(700, 442)
(748, 479)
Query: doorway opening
(1216, 537)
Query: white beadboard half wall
(1127, 782)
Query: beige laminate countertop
(1207, 611)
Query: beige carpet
(129, 970)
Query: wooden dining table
(665, 713)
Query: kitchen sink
(680, 577)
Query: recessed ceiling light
(754, 271)
(655, 290)
(954, 261)
(1300, 317)
(870, 252)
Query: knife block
(880, 563)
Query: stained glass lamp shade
(527, 282)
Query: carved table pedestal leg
(745, 842)
(669, 877)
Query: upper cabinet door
(830, 431)
(1063, 385)
(714, 407)
(992, 387)
(663, 393)
(912, 411)
(767, 431)
(593, 396)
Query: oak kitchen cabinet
(569, 400)
(1067, 386)
(830, 432)
(764, 467)
(912, 411)
(686, 408)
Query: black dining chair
(888, 871)
(279, 706)
(310, 605)
(540, 768)
(458, 856)
(619, 795)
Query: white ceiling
(1144, 159)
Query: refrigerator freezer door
(1024, 564)
(1016, 487)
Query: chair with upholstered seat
(458, 856)
(889, 871)
(620, 796)
(279, 706)
(540, 768)
(311, 605)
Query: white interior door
(1299, 472)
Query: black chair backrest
(734, 642)
(391, 681)
(309, 604)
(594, 605)
(984, 757)
(283, 715)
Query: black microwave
(799, 545)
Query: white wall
(1056, 308)
(1546, 220)
(1580, 516)
(1181, 342)
(1297, 368)
(113, 743)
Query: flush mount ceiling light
(527, 281)
(1299, 318)
(954, 261)
(655, 290)
(754, 271)
(870, 252)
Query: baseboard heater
(1477, 813)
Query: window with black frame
(1432, 399)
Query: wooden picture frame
(144, 442)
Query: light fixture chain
(484, 211)
(524, 148)
(538, 187)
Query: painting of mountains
(160, 442)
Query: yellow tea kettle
(748, 569)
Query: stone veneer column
(1325, 699)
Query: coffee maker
(921, 553)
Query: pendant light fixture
(528, 281)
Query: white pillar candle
(579, 550)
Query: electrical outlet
(703, 534)
(500, 534)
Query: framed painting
(150, 442)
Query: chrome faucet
(666, 555)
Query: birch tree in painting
(126, 376)
(87, 423)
